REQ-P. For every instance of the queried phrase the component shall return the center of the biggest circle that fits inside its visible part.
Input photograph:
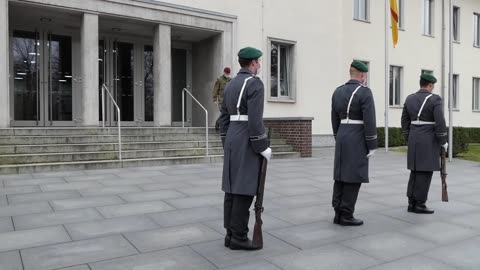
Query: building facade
(57, 54)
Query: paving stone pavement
(170, 217)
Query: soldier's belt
(421, 123)
(351, 121)
(239, 117)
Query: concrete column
(162, 76)
(4, 67)
(89, 63)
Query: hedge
(461, 137)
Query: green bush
(461, 138)
(474, 134)
(395, 137)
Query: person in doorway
(218, 90)
(354, 129)
(425, 132)
(245, 145)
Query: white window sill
(395, 106)
(476, 111)
(427, 35)
(476, 46)
(281, 100)
(361, 20)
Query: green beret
(428, 77)
(360, 66)
(249, 53)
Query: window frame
(476, 94)
(291, 71)
(455, 92)
(431, 18)
(476, 30)
(456, 24)
(356, 10)
(391, 78)
(401, 17)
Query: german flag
(394, 16)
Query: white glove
(445, 146)
(267, 153)
(370, 153)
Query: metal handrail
(206, 116)
(105, 88)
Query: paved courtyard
(171, 218)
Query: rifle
(443, 174)
(257, 229)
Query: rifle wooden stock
(443, 174)
(257, 229)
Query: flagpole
(450, 83)
(387, 73)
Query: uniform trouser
(418, 186)
(345, 197)
(217, 122)
(236, 213)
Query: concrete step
(29, 140)
(111, 164)
(96, 147)
(109, 155)
(102, 131)
(127, 131)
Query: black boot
(349, 221)
(336, 219)
(411, 205)
(228, 238)
(237, 244)
(421, 208)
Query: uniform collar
(353, 82)
(424, 91)
(246, 70)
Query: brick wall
(297, 131)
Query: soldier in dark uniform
(425, 131)
(245, 144)
(354, 128)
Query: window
(361, 10)
(281, 70)
(476, 94)
(455, 92)
(401, 8)
(456, 26)
(395, 85)
(428, 17)
(476, 30)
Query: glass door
(41, 79)
(181, 78)
(119, 69)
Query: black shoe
(422, 209)
(228, 238)
(247, 244)
(336, 219)
(411, 207)
(350, 221)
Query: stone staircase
(32, 150)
